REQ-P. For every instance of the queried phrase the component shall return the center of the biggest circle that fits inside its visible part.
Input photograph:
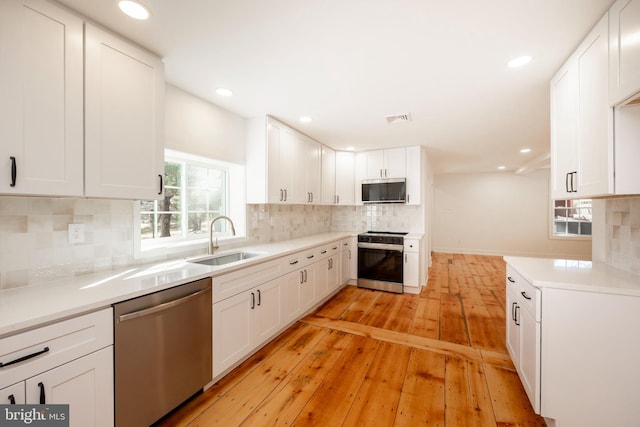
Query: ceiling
(348, 64)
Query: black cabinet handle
(525, 295)
(14, 171)
(574, 183)
(566, 182)
(310, 256)
(43, 399)
(513, 311)
(323, 252)
(253, 300)
(305, 276)
(161, 184)
(23, 358)
(259, 297)
(516, 319)
(12, 400)
(293, 262)
(510, 279)
(301, 276)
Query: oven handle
(381, 246)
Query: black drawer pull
(14, 171)
(310, 256)
(511, 280)
(43, 399)
(259, 297)
(161, 184)
(323, 252)
(525, 295)
(23, 358)
(293, 262)
(12, 399)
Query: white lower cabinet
(411, 268)
(523, 333)
(69, 362)
(245, 321)
(85, 384)
(253, 305)
(13, 394)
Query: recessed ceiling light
(502, 168)
(350, 148)
(306, 119)
(134, 9)
(525, 150)
(519, 61)
(224, 92)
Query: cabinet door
(345, 265)
(124, 109)
(292, 283)
(328, 176)
(411, 269)
(322, 279)
(512, 314)
(529, 363)
(333, 274)
(300, 193)
(414, 175)
(595, 118)
(232, 330)
(14, 394)
(41, 108)
(345, 178)
(86, 384)
(308, 286)
(314, 170)
(374, 164)
(624, 59)
(268, 312)
(395, 163)
(564, 129)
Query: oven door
(380, 267)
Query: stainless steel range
(380, 261)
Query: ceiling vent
(398, 118)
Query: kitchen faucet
(213, 247)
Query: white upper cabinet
(328, 176)
(581, 121)
(41, 104)
(124, 112)
(595, 119)
(390, 163)
(624, 59)
(306, 170)
(345, 178)
(564, 130)
(289, 160)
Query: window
(572, 217)
(196, 191)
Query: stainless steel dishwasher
(162, 351)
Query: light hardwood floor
(369, 358)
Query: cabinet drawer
(529, 298)
(50, 346)
(230, 284)
(512, 281)
(14, 394)
(411, 245)
(328, 250)
(345, 244)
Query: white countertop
(30, 306)
(575, 275)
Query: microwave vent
(398, 118)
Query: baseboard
(491, 252)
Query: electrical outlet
(76, 233)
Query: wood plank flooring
(369, 358)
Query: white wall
(498, 214)
(195, 126)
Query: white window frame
(236, 209)
(552, 225)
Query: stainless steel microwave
(392, 190)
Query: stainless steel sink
(228, 258)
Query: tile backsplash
(34, 244)
(622, 233)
